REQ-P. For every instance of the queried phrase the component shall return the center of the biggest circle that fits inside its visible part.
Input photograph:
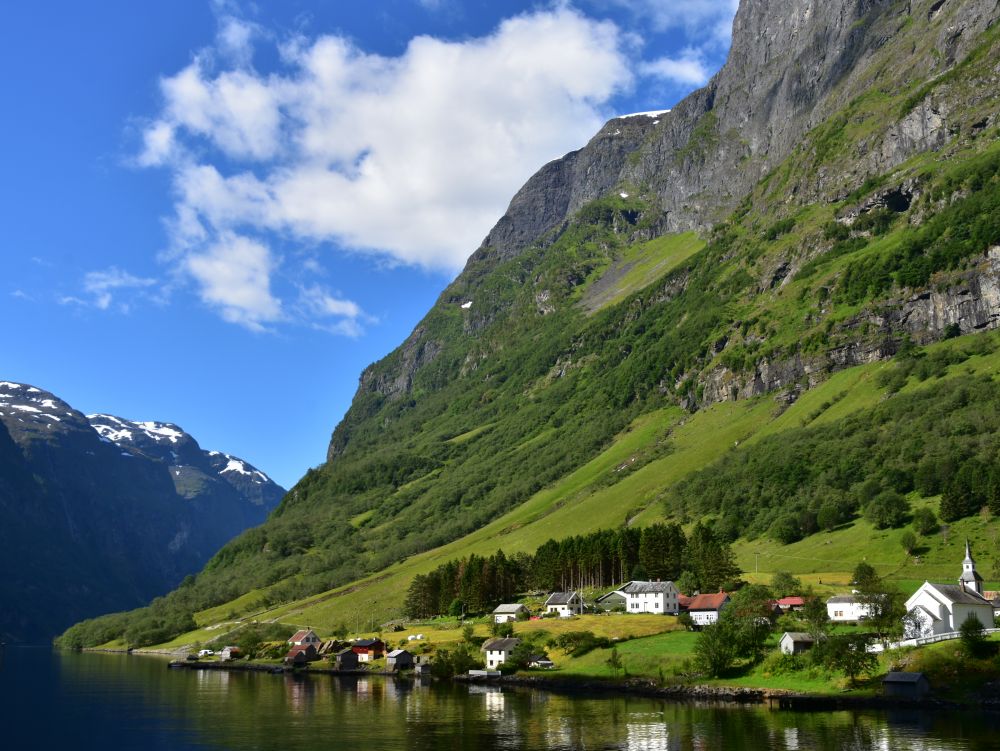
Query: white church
(943, 608)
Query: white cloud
(320, 306)
(687, 69)
(234, 275)
(101, 285)
(237, 110)
(235, 39)
(411, 158)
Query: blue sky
(217, 213)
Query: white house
(508, 612)
(943, 608)
(846, 609)
(994, 597)
(651, 597)
(795, 642)
(498, 651)
(564, 603)
(304, 638)
(705, 609)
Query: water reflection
(123, 703)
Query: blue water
(51, 700)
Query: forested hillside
(838, 209)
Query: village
(864, 639)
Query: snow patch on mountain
(119, 430)
(238, 465)
(651, 113)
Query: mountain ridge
(868, 138)
(134, 511)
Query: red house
(788, 604)
(301, 654)
(368, 649)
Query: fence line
(922, 640)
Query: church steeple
(970, 578)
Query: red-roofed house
(305, 637)
(790, 604)
(705, 609)
(302, 654)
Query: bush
(714, 651)
(924, 522)
(888, 509)
(778, 663)
(973, 638)
(784, 584)
(908, 541)
(579, 643)
(451, 662)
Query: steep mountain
(99, 513)
(682, 286)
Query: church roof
(956, 594)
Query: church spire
(970, 578)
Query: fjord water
(94, 701)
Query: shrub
(924, 521)
(888, 509)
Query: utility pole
(756, 562)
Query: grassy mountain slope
(608, 339)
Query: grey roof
(639, 588)
(398, 653)
(798, 636)
(612, 593)
(956, 594)
(511, 607)
(901, 677)
(560, 598)
(842, 599)
(501, 645)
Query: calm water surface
(89, 701)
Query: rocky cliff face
(99, 513)
(793, 65)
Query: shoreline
(773, 698)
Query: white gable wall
(949, 616)
(654, 602)
(704, 617)
(846, 612)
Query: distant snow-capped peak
(119, 431)
(26, 403)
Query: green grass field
(600, 495)
(638, 266)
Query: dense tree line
(595, 561)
